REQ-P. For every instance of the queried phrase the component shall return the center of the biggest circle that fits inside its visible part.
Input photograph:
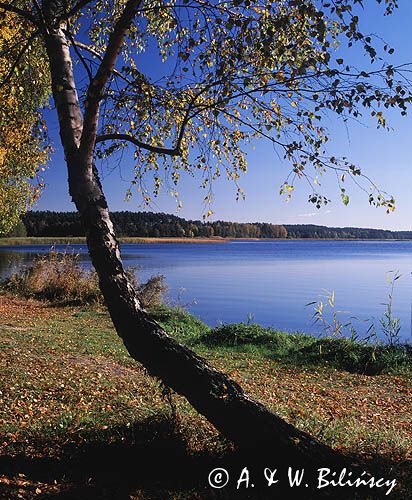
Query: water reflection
(10, 261)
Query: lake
(269, 282)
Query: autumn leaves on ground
(80, 419)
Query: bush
(59, 278)
(151, 293)
(56, 277)
(19, 231)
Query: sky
(386, 157)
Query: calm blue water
(269, 281)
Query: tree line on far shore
(157, 225)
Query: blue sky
(386, 157)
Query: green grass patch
(180, 324)
(301, 349)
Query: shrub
(151, 293)
(56, 277)
(18, 231)
(59, 278)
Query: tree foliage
(25, 88)
(199, 80)
(148, 224)
(237, 71)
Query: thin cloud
(314, 214)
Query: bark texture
(221, 400)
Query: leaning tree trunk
(221, 400)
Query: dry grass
(58, 278)
(152, 292)
(67, 240)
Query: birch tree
(229, 73)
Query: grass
(80, 419)
(307, 350)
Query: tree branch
(82, 60)
(18, 59)
(126, 137)
(94, 52)
(23, 13)
(75, 9)
(42, 21)
(98, 85)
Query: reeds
(58, 277)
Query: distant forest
(147, 224)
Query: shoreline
(80, 240)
